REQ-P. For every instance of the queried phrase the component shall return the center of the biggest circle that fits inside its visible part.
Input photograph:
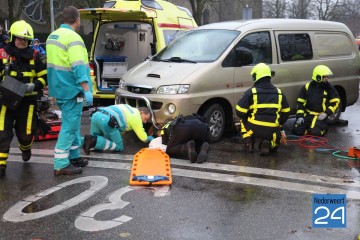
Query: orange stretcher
(151, 167)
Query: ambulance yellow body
(127, 33)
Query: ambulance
(127, 33)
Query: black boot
(203, 153)
(26, 155)
(249, 145)
(2, 171)
(264, 147)
(190, 151)
(69, 170)
(79, 162)
(89, 142)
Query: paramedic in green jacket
(69, 83)
(107, 124)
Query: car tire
(215, 118)
(333, 119)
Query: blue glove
(149, 138)
(88, 98)
(299, 121)
(322, 116)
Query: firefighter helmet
(320, 72)
(259, 71)
(21, 29)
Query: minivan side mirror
(243, 57)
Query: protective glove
(299, 121)
(149, 138)
(29, 87)
(88, 98)
(322, 116)
(283, 137)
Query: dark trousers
(190, 129)
(23, 120)
(253, 131)
(311, 126)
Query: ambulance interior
(120, 46)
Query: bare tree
(197, 7)
(14, 10)
(349, 14)
(61, 4)
(326, 9)
(275, 9)
(300, 9)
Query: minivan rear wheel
(215, 118)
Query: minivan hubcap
(215, 123)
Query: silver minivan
(207, 70)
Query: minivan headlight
(173, 89)
(122, 84)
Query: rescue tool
(151, 167)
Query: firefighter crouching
(263, 109)
(28, 66)
(317, 100)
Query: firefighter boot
(2, 171)
(264, 147)
(69, 170)
(89, 142)
(203, 152)
(249, 145)
(26, 155)
(190, 151)
(79, 162)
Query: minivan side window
(258, 43)
(295, 46)
(333, 44)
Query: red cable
(313, 142)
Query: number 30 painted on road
(85, 221)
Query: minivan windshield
(197, 46)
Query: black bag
(42, 128)
(12, 92)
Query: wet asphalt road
(233, 196)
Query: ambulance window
(295, 47)
(199, 46)
(259, 44)
(170, 35)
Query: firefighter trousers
(23, 120)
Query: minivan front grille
(140, 103)
(138, 90)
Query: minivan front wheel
(215, 118)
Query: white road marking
(226, 177)
(15, 213)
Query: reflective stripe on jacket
(67, 62)
(315, 98)
(263, 105)
(31, 71)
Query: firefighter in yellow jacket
(263, 109)
(317, 100)
(28, 66)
